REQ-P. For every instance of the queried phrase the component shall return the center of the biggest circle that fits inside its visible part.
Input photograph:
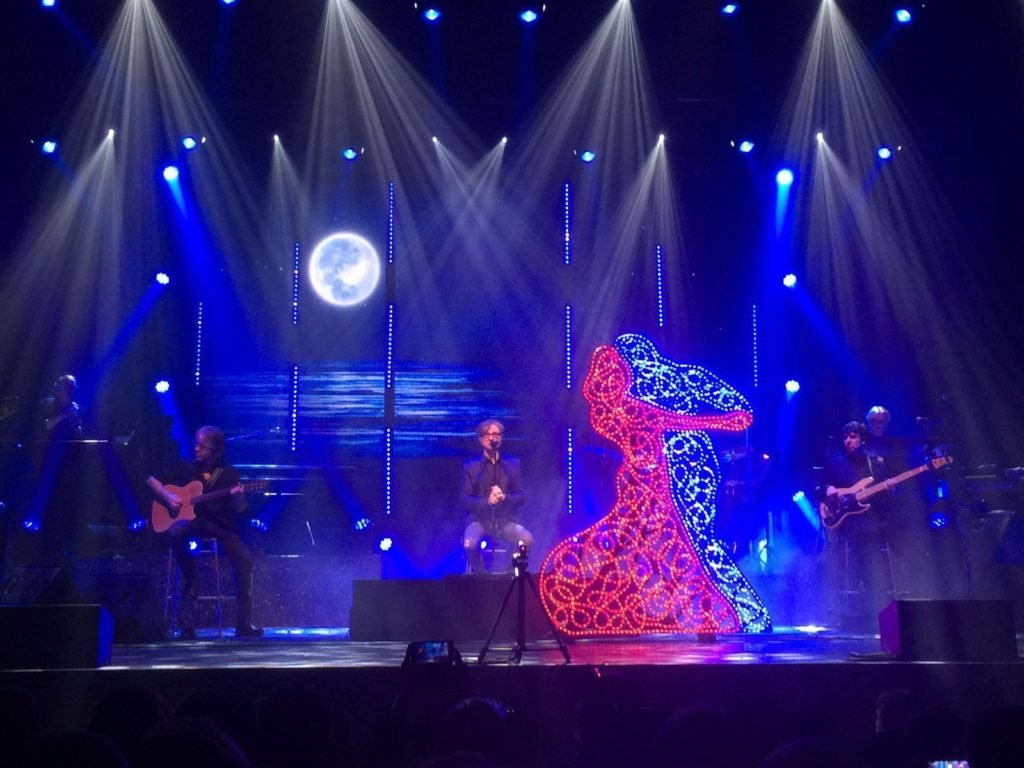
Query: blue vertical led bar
(293, 410)
(295, 284)
(568, 471)
(658, 263)
(391, 222)
(389, 439)
(567, 223)
(753, 331)
(568, 346)
(199, 342)
(389, 373)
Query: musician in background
(64, 416)
(215, 519)
(857, 550)
(491, 492)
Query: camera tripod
(521, 577)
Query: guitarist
(857, 550)
(215, 519)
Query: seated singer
(214, 519)
(491, 491)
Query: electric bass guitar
(162, 517)
(846, 502)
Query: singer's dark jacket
(478, 475)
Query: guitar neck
(209, 495)
(886, 484)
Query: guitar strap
(214, 476)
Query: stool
(496, 557)
(208, 550)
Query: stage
(784, 677)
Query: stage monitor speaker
(55, 636)
(949, 630)
(38, 585)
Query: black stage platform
(789, 671)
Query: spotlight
(884, 152)
(349, 153)
(110, 133)
(137, 525)
(258, 525)
(31, 525)
(745, 147)
(162, 387)
(385, 543)
(903, 16)
(938, 519)
(277, 139)
(784, 177)
(529, 16)
(819, 137)
(189, 143)
(730, 8)
(792, 387)
(171, 174)
(588, 156)
(799, 496)
(163, 278)
(193, 545)
(434, 139)
(48, 147)
(48, 3)
(228, 2)
(789, 280)
(362, 524)
(432, 15)
(661, 138)
(504, 139)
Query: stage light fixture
(349, 153)
(110, 133)
(162, 387)
(819, 137)
(193, 545)
(799, 496)
(588, 156)
(884, 152)
(258, 524)
(792, 387)
(228, 2)
(137, 525)
(784, 177)
(385, 543)
(431, 15)
(730, 8)
(529, 16)
(434, 139)
(163, 278)
(746, 146)
(277, 139)
(48, 3)
(938, 519)
(903, 16)
(789, 280)
(49, 147)
(189, 143)
(361, 524)
(31, 525)
(504, 140)
(171, 174)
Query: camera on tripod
(519, 556)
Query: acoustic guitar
(846, 502)
(162, 517)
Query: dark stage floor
(788, 673)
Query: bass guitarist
(857, 550)
(214, 519)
